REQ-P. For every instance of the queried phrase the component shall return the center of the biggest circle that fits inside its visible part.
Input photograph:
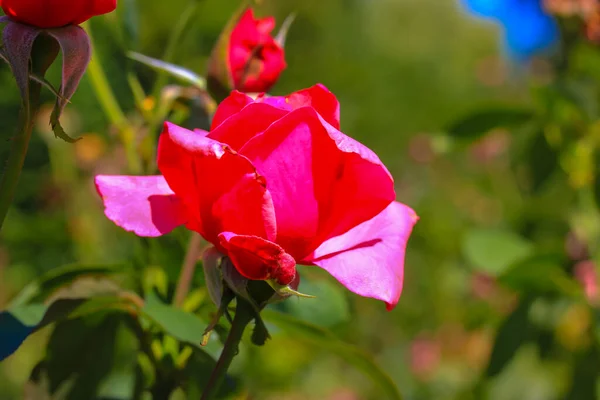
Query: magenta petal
(241, 127)
(233, 104)
(322, 182)
(144, 205)
(219, 187)
(317, 97)
(369, 259)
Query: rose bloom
(55, 13)
(274, 184)
(255, 59)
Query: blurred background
(403, 71)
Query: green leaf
(327, 341)
(329, 309)
(540, 274)
(183, 74)
(40, 289)
(542, 161)
(284, 29)
(478, 123)
(494, 250)
(585, 376)
(82, 297)
(515, 331)
(183, 326)
(83, 351)
(17, 324)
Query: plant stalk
(188, 268)
(18, 151)
(243, 315)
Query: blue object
(12, 334)
(528, 29)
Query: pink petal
(265, 25)
(323, 183)
(239, 128)
(258, 259)
(369, 259)
(230, 106)
(317, 97)
(220, 187)
(144, 205)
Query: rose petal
(56, 13)
(219, 186)
(239, 128)
(323, 183)
(230, 106)
(317, 97)
(255, 59)
(144, 205)
(259, 259)
(369, 259)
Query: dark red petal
(258, 259)
(219, 186)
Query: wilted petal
(259, 259)
(220, 187)
(323, 183)
(369, 259)
(144, 205)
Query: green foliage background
(467, 326)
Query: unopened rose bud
(246, 58)
(55, 13)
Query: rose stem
(18, 151)
(194, 251)
(243, 315)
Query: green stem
(18, 151)
(188, 268)
(161, 111)
(174, 41)
(243, 315)
(110, 105)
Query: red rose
(275, 184)
(248, 58)
(55, 13)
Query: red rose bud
(246, 58)
(55, 13)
